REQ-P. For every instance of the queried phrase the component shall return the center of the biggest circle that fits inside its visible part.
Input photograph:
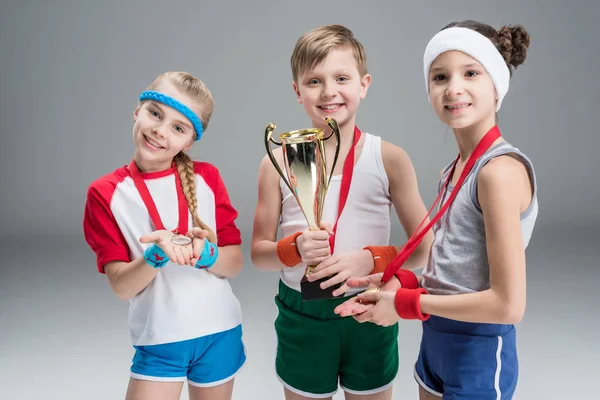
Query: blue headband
(182, 108)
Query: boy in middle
(316, 348)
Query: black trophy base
(312, 290)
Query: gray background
(70, 74)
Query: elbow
(257, 260)
(511, 313)
(239, 265)
(122, 293)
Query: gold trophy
(306, 172)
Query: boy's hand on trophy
(313, 245)
(340, 267)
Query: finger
(358, 282)
(321, 253)
(327, 263)
(346, 306)
(313, 261)
(323, 273)
(359, 309)
(198, 245)
(334, 280)
(170, 252)
(369, 297)
(198, 233)
(319, 236)
(364, 317)
(326, 226)
(150, 238)
(181, 259)
(341, 290)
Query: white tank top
(365, 220)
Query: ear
(297, 91)
(136, 113)
(365, 82)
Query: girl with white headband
(472, 291)
(164, 234)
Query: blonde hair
(314, 46)
(197, 90)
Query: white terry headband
(475, 45)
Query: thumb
(199, 233)
(358, 282)
(370, 296)
(149, 238)
(326, 226)
(375, 279)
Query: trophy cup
(306, 173)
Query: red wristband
(382, 256)
(407, 279)
(288, 252)
(408, 304)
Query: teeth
(457, 107)
(330, 106)
(153, 143)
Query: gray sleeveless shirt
(458, 260)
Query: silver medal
(181, 240)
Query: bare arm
(266, 217)
(504, 192)
(129, 279)
(229, 263)
(407, 201)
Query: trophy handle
(269, 138)
(335, 130)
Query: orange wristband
(382, 256)
(287, 250)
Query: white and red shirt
(181, 302)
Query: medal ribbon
(138, 180)
(347, 172)
(413, 242)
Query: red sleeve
(100, 228)
(225, 215)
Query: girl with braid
(164, 233)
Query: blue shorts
(467, 361)
(205, 361)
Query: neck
(468, 138)
(346, 135)
(150, 166)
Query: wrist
(287, 250)
(382, 256)
(408, 304)
(209, 255)
(155, 256)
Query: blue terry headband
(182, 108)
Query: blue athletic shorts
(467, 361)
(205, 361)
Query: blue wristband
(155, 256)
(209, 255)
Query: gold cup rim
(301, 135)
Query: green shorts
(317, 347)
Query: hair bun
(514, 41)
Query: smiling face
(160, 132)
(333, 88)
(461, 92)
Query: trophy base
(312, 290)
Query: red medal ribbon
(347, 172)
(138, 180)
(413, 242)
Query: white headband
(477, 46)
